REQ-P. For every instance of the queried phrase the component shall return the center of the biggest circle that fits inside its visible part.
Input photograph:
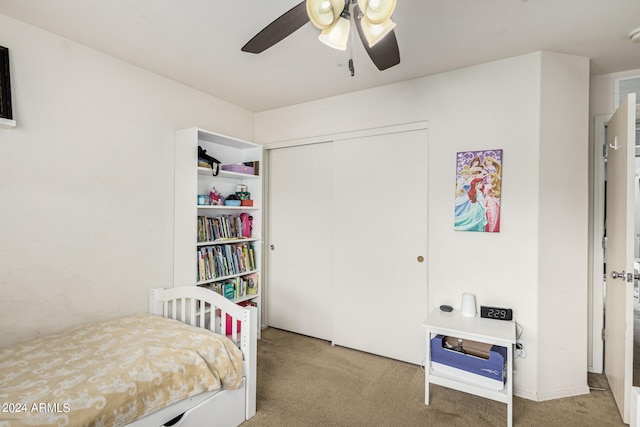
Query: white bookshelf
(190, 181)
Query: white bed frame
(226, 408)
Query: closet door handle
(272, 247)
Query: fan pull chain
(351, 68)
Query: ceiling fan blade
(278, 30)
(385, 53)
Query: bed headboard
(194, 305)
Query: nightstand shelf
(490, 331)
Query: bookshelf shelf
(227, 174)
(224, 242)
(228, 208)
(212, 248)
(230, 276)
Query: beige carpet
(303, 381)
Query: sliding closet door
(299, 245)
(380, 244)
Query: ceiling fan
(372, 19)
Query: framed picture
(5, 85)
(478, 191)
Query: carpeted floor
(303, 381)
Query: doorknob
(616, 275)
(627, 277)
(272, 247)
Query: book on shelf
(252, 283)
(252, 261)
(236, 287)
(229, 290)
(202, 269)
(225, 260)
(220, 228)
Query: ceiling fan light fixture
(383, 55)
(377, 11)
(324, 13)
(376, 32)
(337, 36)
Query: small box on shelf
(239, 167)
(255, 165)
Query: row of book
(237, 287)
(225, 260)
(220, 228)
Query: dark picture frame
(5, 85)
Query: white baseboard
(541, 397)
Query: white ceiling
(197, 42)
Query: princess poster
(478, 190)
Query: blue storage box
(488, 372)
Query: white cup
(468, 305)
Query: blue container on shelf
(489, 372)
(232, 202)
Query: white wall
(494, 105)
(563, 226)
(86, 182)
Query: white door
(380, 244)
(620, 254)
(299, 245)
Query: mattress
(112, 372)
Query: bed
(190, 361)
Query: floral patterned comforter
(112, 373)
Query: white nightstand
(490, 331)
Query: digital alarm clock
(497, 313)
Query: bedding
(112, 373)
